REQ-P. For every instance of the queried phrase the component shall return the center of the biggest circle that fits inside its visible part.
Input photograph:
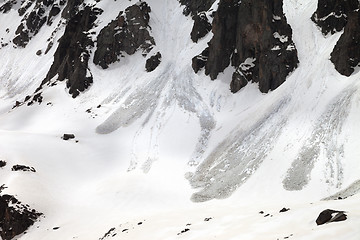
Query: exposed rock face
(199, 61)
(15, 218)
(201, 27)
(153, 62)
(346, 54)
(72, 55)
(7, 6)
(195, 7)
(255, 38)
(126, 34)
(329, 215)
(332, 15)
(197, 10)
(43, 12)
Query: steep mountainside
(129, 119)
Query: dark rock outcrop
(2, 163)
(201, 27)
(329, 215)
(68, 136)
(128, 33)
(346, 53)
(43, 11)
(198, 9)
(195, 7)
(254, 37)
(153, 62)
(199, 61)
(284, 210)
(332, 15)
(23, 168)
(6, 7)
(73, 52)
(15, 217)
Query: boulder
(153, 62)
(329, 215)
(68, 136)
(2, 163)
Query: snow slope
(153, 145)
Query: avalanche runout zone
(324, 140)
(235, 159)
(176, 89)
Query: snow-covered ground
(152, 147)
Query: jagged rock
(72, 55)
(32, 22)
(55, 10)
(238, 81)
(346, 53)
(6, 7)
(25, 6)
(255, 38)
(22, 168)
(153, 62)
(332, 15)
(199, 61)
(264, 51)
(284, 210)
(71, 9)
(222, 45)
(2, 163)
(201, 27)
(108, 234)
(195, 7)
(15, 218)
(183, 231)
(43, 12)
(329, 215)
(126, 34)
(197, 10)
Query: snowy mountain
(179, 119)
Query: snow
(150, 138)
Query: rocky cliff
(254, 38)
(336, 16)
